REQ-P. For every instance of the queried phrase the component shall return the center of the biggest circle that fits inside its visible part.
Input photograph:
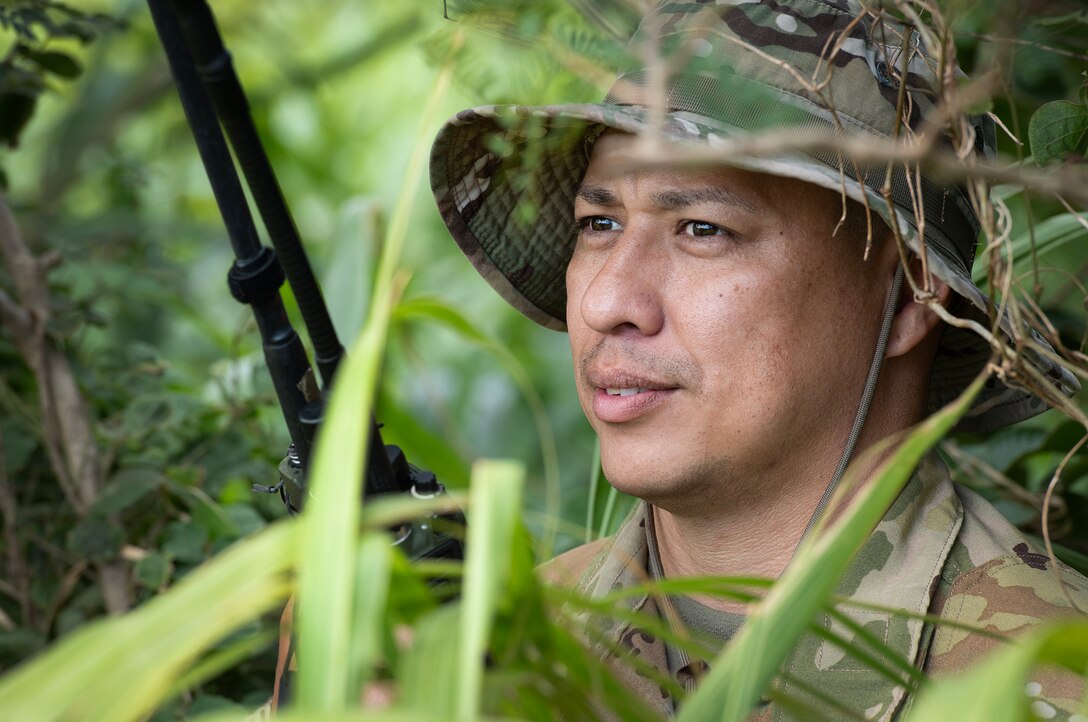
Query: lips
(621, 396)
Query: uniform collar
(897, 568)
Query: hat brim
(505, 179)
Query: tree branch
(69, 435)
(16, 564)
(67, 424)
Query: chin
(665, 482)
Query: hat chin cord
(863, 406)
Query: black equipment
(214, 101)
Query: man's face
(720, 334)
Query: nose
(626, 286)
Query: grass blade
(119, 669)
(994, 690)
(326, 578)
(372, 575)
(331, 521)
(495, 502)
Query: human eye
(703, 229)
(597, 224)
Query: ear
(915, 322)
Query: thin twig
(994, 476)
(1046, 519)
(69, 435)
(16, 564)
(1030, 43)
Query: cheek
(735, 329)
(756, 337)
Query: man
(740, 326)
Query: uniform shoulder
(998, 580)
(996, 559)
(570, 567)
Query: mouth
(626, 392)
(620, 396)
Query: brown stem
(67, 586)
(16, 564)
(68, 430)
(69, 436)
(114, 583)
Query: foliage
(183, 419)
(29, 61)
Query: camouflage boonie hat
(505, 177)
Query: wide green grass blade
(495, 504)
(748, 665)
(331, 521)
(374, 566)
(993, 691)
(428, 671)
(220, 661)
(327, 579)
(118, 670)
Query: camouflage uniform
(940, 549)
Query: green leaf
(119, 669)
(1047, 236)
(125, 488)
(207, 513)
(440, 312)
(430, 667)
(993, 691)
(426, 449)
(495, 497)
(57, 63)
(185, 542)
(16, 110)
(153, 571)
(208, 703)
(372, 574)
(19, 446)
(1057, 130)
(245, 518)
(96, 538)
(149, 413)
(356, 715)
(331, 519)
(329, 553)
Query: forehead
(621, 158)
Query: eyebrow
(670, 200)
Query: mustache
(678, 369)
